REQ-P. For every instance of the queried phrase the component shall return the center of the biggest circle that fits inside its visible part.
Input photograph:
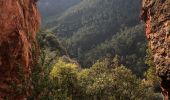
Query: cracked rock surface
(156, 14)
(19, 23)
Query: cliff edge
(19, 22)
(156, 15)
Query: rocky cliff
(19, 22)
(156, 14)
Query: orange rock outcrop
(19, 23)
(156, 14)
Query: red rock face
(156, 14)
(19, 22)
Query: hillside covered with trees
(94, 50)
(94, 29)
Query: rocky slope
(19, 22)
(156, 14)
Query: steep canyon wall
(19, 22)
(156, 14)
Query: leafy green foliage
(103, 81)
(152, 79)
(50, 46)
(64, 77)
(51, 50)
(107, 79)
(106, 82)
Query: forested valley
(93, 50)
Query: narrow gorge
(19, 50)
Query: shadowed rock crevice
(19, 22)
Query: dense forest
(94, 29)
(93, 50)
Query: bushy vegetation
(50, 46)
(151, 79)
(105, 80)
